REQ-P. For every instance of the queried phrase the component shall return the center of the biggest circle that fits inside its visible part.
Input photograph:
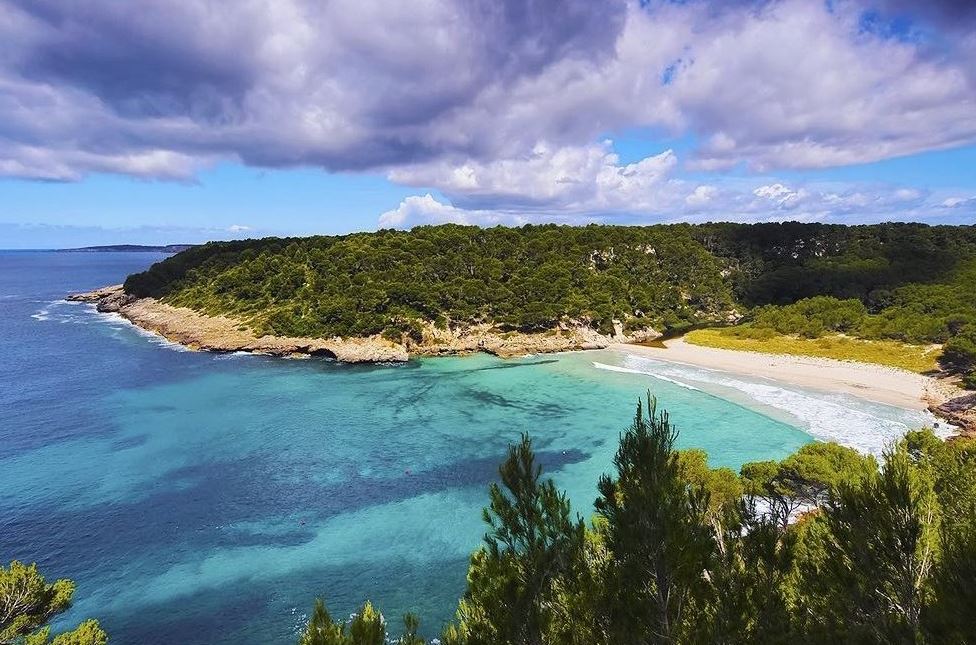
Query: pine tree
(366, 627)
(532, 542)
(881, 545)
(321, 630)
(27, 602)
(658, 532)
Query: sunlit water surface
(200, 498)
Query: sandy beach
(868, 381)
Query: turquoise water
(198, 498)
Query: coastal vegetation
(827, 545)
(893, 353)
(911, 284)
(389, 281)
(28, 603)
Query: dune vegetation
(893, 353)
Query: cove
(200, 498)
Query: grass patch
(915, 358)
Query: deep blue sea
(200, 498)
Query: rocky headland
(199, 331)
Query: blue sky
(183, 122)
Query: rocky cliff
(221, 334)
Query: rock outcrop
(490, 339)
(222, 334)
(960, 411)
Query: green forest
(827, 545)
(908, 282)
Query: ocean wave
(627, 370)
(230, 355)
(863, 425)
(84, 313)
(151, 336)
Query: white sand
(865, 380)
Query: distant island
(902, 295)
(131, 248)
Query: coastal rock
(222, 334)
(960, 411)
(507, 344)
(107, 299)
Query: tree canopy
(678, 552)
(907, 282)
(28, 603)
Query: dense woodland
(908, 282)
(825, 546)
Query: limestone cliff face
(221, 334)
(487, 338)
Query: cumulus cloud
(701, 196)
(458, 88)
(573, 178)
(577, 186)
(418, 210)
(780, 196)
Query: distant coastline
(130, 248)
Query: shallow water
(200, 498)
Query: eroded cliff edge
(199, 331)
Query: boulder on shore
(960, 411)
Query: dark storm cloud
(160, 88)
(344, 85)
(144, 59)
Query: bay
(199, 498)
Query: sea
(210, 498)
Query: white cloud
(591, 185)
(782, 196)
(417, 210)
(583, 178)
(959, 202)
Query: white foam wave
(83, 313)
(151, 336)
(863, 425)
(615, 368)
(231, 355)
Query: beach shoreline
(872, 382)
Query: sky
(173, 121)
